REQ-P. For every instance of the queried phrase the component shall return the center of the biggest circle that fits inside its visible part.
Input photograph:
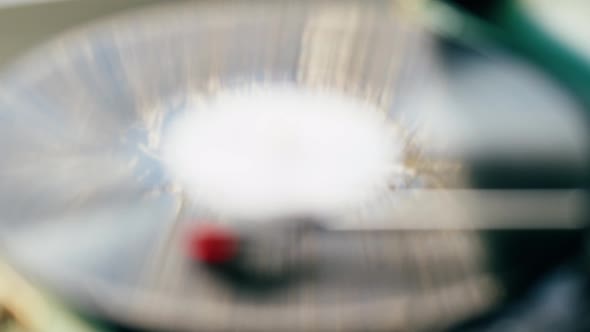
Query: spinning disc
(117, 140)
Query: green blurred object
(24, 308)
(511, 25)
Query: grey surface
(25, 26)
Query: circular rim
(134, 30)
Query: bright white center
(277, 151)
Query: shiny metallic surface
(87, 207)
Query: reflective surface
(87, 206)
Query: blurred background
(494, 98)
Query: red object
(212, 244)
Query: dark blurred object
(544, 296)
(507, 22)
(560, 302)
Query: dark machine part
(546, 269)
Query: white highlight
(267, 152)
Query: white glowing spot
(270, 151)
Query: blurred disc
(88, 206)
